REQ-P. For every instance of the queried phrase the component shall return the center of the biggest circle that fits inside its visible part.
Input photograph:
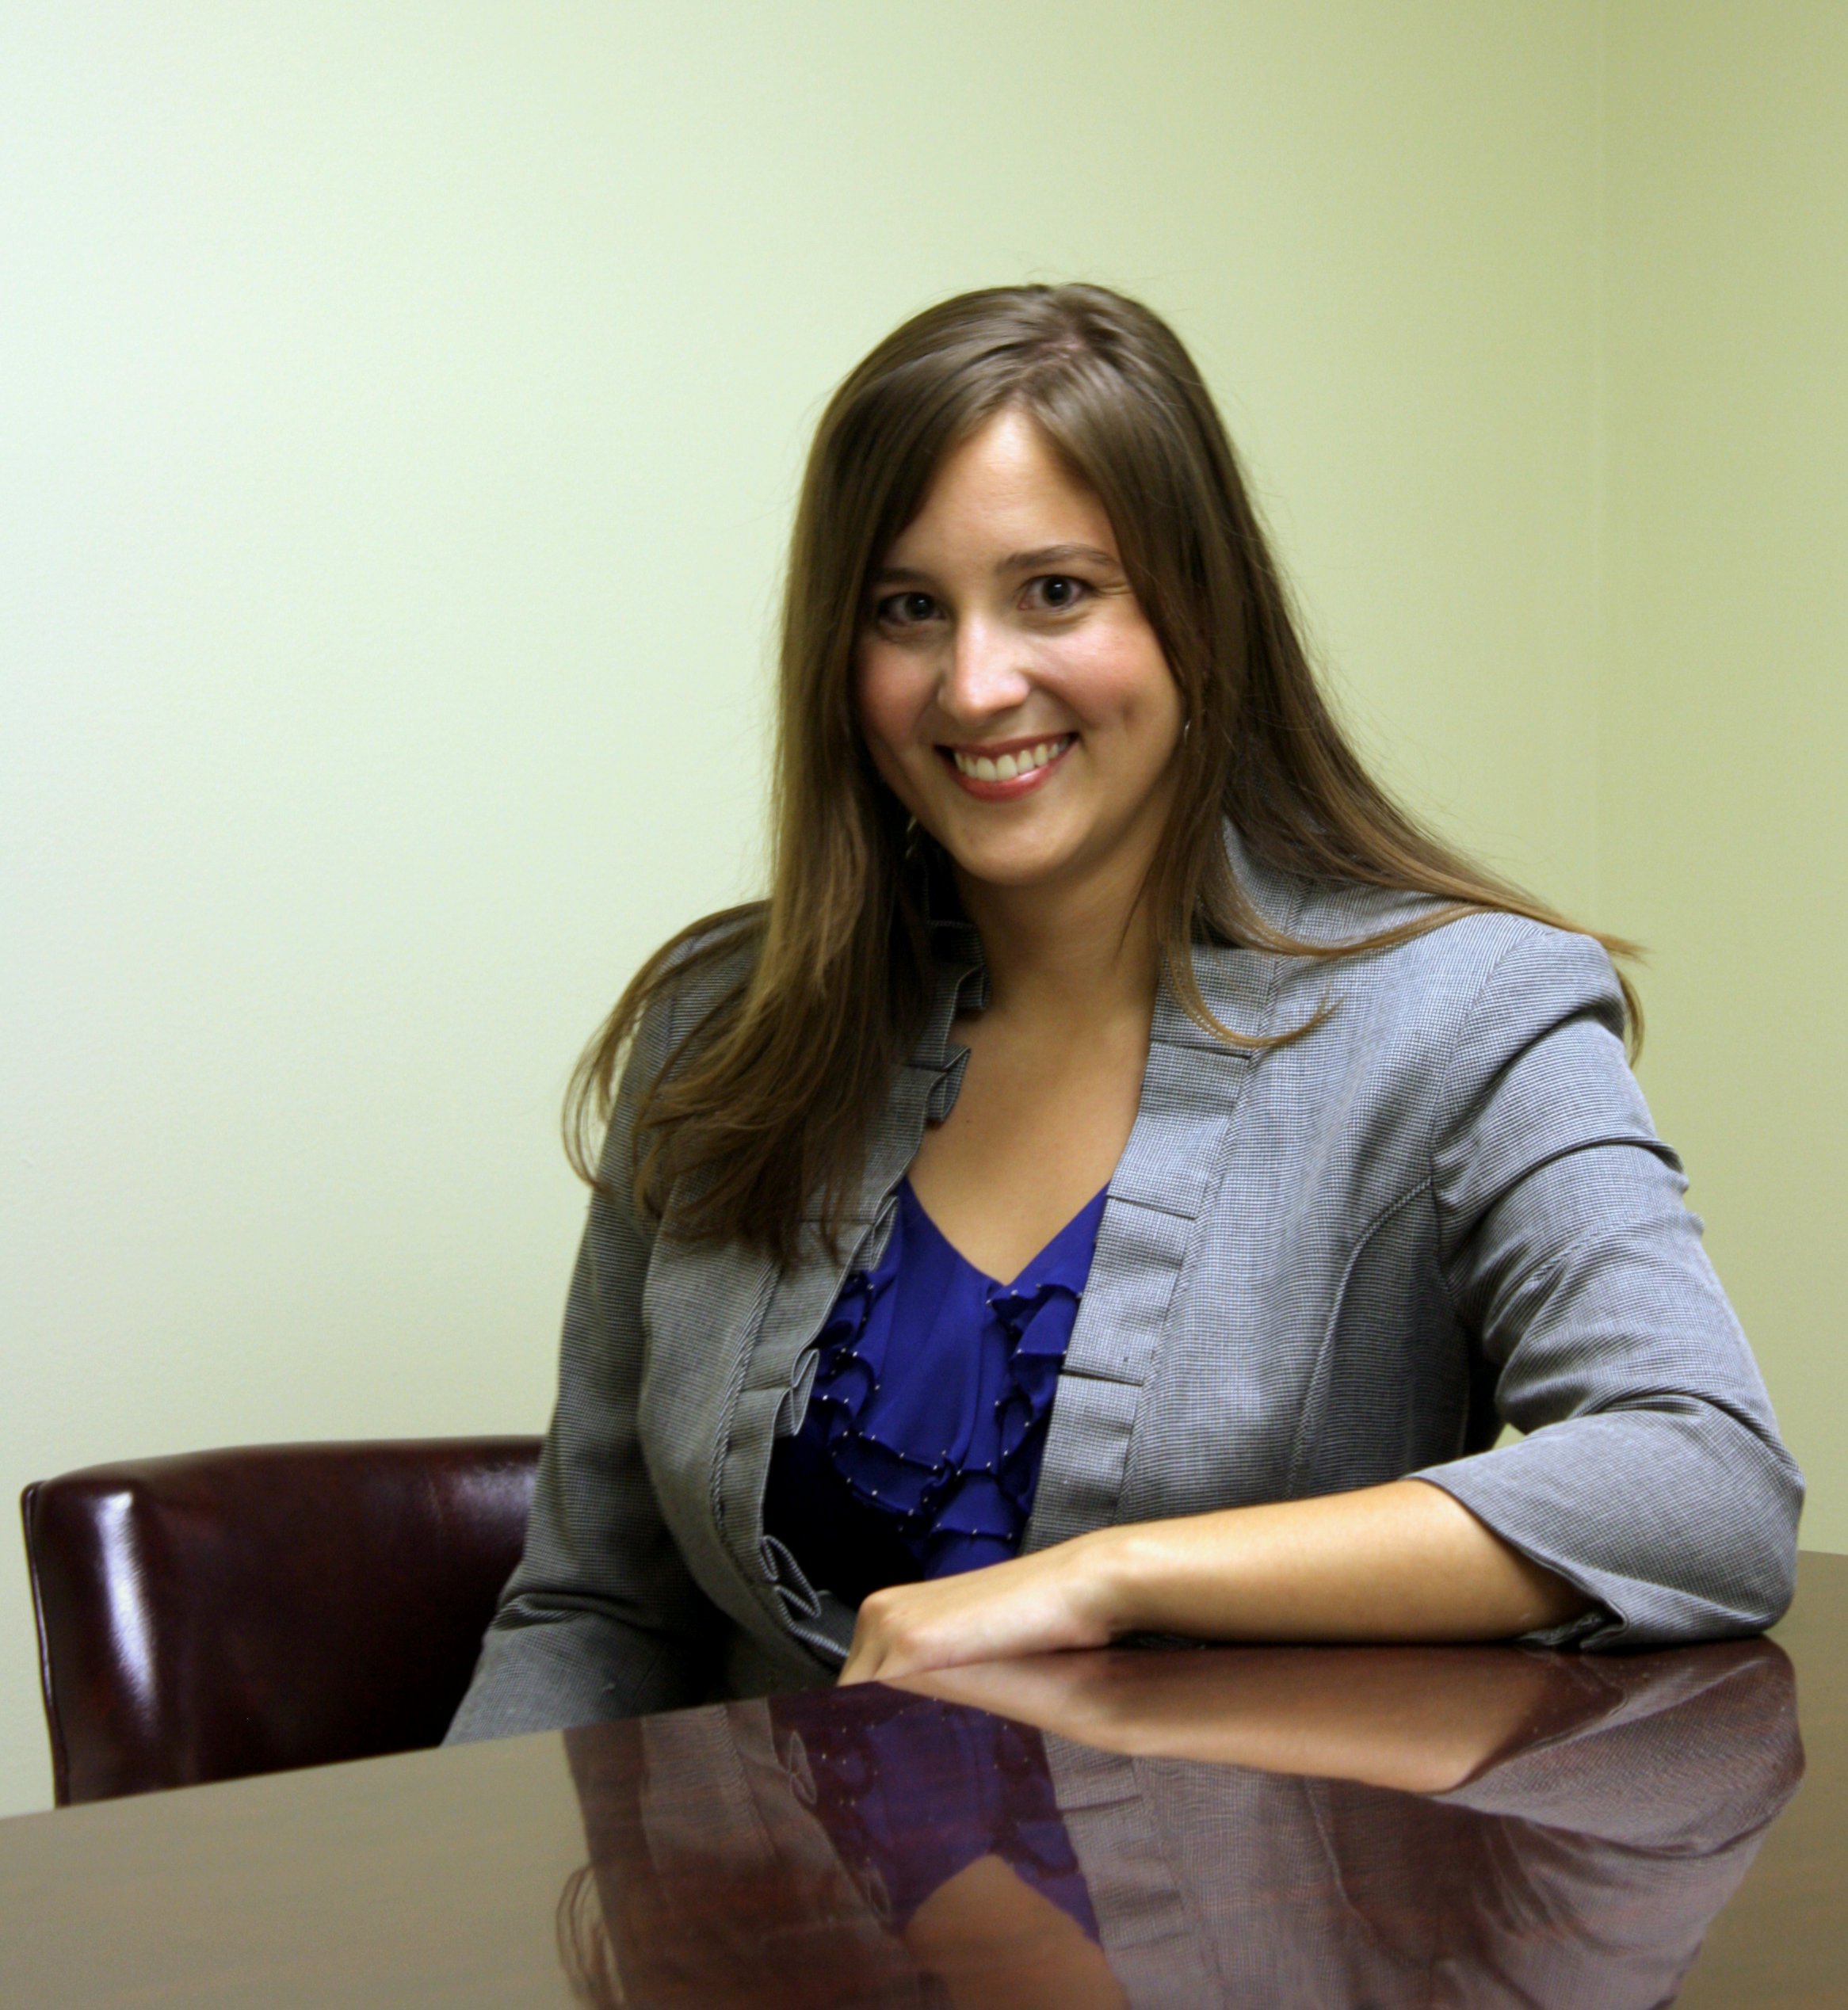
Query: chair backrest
(247, 1610)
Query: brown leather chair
(248, 1611)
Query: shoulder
(1482, 962)
(1504, 1036)
(1482, 966)
(692, 976)
(705, 965)
(708, 963)
(1414, 1037)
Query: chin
(1011, 866)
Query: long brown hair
(761, 1118)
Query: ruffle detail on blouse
(936, 1429)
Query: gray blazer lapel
(1170, 1170)
(769, 1359)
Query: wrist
(1113, 1575)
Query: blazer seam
(1439, 1100)
(733, 1390)
(1443, 1262)
(1325, 1347)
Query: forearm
(1402, 1561)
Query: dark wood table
(1314, 1827)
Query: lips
(985, 764)
(992, 777)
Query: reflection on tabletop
(1313, 1826)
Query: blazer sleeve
(1651, 1476)
(600, 1620)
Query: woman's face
(1012, 694)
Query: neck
(1071, 954)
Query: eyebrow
(1048, 555)
(1054, 554)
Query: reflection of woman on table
(1126, 1174)
(1554, 1832)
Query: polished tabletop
(1317, 1826)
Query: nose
(985, 675)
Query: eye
(905, 610)
(1056, 592)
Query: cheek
(888, 697)
(1122, 680)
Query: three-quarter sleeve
(602, 1619)
(1651, 1476)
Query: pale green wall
(399, 409)
(1723, 817)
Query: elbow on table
(1767, 1559)
(1750, 1553)
(1737, 1575)
(1679, 1527)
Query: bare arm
(1403, 1561)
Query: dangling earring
(912, 843)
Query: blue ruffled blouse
(919, 1454)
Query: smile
(1017, 764)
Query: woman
(1125, 1175)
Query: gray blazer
(1323, 1266)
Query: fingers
(869, 1652)
(891, 1638)
(859, 1666)
(1024, 1605)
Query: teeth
(1011, 765)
